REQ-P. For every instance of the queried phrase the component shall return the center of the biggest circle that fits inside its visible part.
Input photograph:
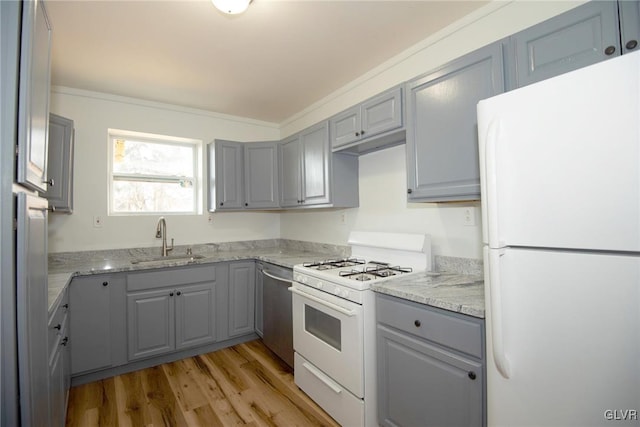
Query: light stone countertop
(461, 293)
(65, 266)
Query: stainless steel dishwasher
(277, 325)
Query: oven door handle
(328, 304)
(319, 375)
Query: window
(151, 174)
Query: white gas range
(334, 321)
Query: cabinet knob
(64, 341)
(246, 204)
(58, 326)
(65, 305)
(221, 203)
(52, 208)
(49, 182)
(472, 375)
(631, 44)
(361, 132)
(357, 133)
(610, 50)
(409, 191)
(178, 293)
(170, 294)
(417, 323)
(105, 283)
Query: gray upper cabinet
(225, 163)
(430, 366)
(261, 175)
(380, 114)
(243, 175)
(60, 164)
(629, 12)
(310, 175)
(97, 321)
(577, 38)
(442, 140)
(33, 108)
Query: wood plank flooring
(240, 385)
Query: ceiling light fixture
(231, 7)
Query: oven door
(328, 332)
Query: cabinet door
(442, 137)
(346, 127)
(96, 318)
(259, 298)
(629, 11)
(290, 176)
(241, 298)
(572, 40)
(60, 164)
(33, 114)
(226, 189)
(422, 385)
(314, 144)
(150, 319)
(57, 397)
(382, 113)
(195, 315)
(31, 309)
(261, 175)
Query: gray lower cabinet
(60, 164)
(243, 175)
(377, 115)
(259, 298)
(430, 366)
(59, 362)
(97, 321)
(442, 140)
(241, 302)
(169, 310)
(310, 175)
(588, 34)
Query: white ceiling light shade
(231, 7)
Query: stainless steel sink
(159, 259)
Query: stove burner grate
(333, 263)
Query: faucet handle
(189, 251)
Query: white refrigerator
(560, 177)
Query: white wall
(383, 204)
(93, 114)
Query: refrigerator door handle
(497, 341)
(491, 173)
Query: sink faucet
(161, 233)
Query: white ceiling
(273, 61)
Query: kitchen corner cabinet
(582, 36)
(377, 115)
(430, 366)
(442, 140)
(241, 304)
(33, 113)
(169, 310)
(97, 322)
(310, 175)
(60, 164)
(59, 362)
(243, 175)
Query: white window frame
(195, 144)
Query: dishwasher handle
(281, 279)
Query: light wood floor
(240, 385)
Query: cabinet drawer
(170, 277)
(450, 330)
(57, 324)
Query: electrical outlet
(343, 218)
(97, 221)
(469, 216)
(210, 218)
